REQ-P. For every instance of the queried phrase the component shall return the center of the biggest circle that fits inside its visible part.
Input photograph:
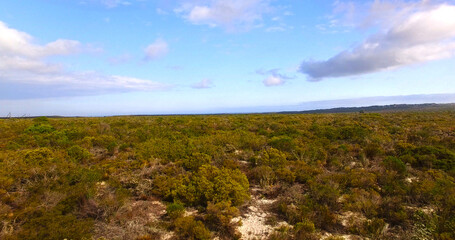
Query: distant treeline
(376, 108)
(382, 108)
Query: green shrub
(195, 161)
(283, 143)
(305, 226)
(393, 211)
(285, 175)
(326, 193)
(175, 210)
(211, 184)
(395, 164)
(372, 150)
(104, 141)
(78, 154)
(5, 183)
(56, 226)
(364, 201)
(40, 129)
(264, 175)
(273, 158)
(41, 120)
(189, 228)
(219, 218)
(305, 230)
(324, 217)
(38, 157)
(353, 133)
(375, 227)
(435, 157)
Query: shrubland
(370, 175)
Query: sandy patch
(254, 220)
(134, 219)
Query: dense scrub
(381, 176)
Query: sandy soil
(254, 220)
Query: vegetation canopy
(304, 176)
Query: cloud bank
(24, 67)
(418, 33)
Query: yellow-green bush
(189, 228)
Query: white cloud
(10, 64)
(23, 65)
(272, 81)
(14, 42)
(416, 34)
(387, 13)
(199, 14)
(232, 15)
(205, 83)
(274, 78)
(157, 49)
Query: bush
(393, 211)
(38, 157)
(435, 157)
(78, 154)
(374, 228)
(283, 143)
(56, 226)
(395, 164)
(175, 210)
(353, 133)
(195, 161)
(219, 217)
(189, 228)
(41, 120)
(305, 230)
(359, 178)
(366, 202)
(40, 127)
(273, 158)
(373, 150)
(286, 175)
(211, 184)
(305, 226)
(263, 175)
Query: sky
(116, 57)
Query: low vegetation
(366, 175)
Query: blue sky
(108, 57)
